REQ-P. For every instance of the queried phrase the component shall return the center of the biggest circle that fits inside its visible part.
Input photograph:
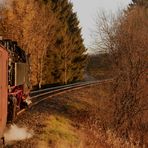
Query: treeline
(99, 66)
(49, 31)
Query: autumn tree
(31, 29)
(125, 39)
(49, 31)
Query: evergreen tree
(70, 42)
(139, 3)
(79, 58)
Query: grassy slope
(77, 119)
(69, 120)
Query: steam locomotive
(14, 81)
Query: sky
(87, 11)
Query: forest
(48, 30)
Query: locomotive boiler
(14, 81)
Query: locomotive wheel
(12, 109)
(14, 104)
(2, 142)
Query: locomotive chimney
(14, 44)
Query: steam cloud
(1, 1)
(15, 133)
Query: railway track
(43, 94)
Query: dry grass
(79, 119)
(58, 130)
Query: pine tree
(139, 3)
(70, 42)
(79, 60)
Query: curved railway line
(43, 94)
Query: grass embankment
(79, 119)
(68, 120)
(74, 119)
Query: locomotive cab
(3, 89)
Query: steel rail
(52, 88)
(56, 89)
(41, 92)
(34, 93)
(45, 94)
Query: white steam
(14, 133)
(1, 1)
